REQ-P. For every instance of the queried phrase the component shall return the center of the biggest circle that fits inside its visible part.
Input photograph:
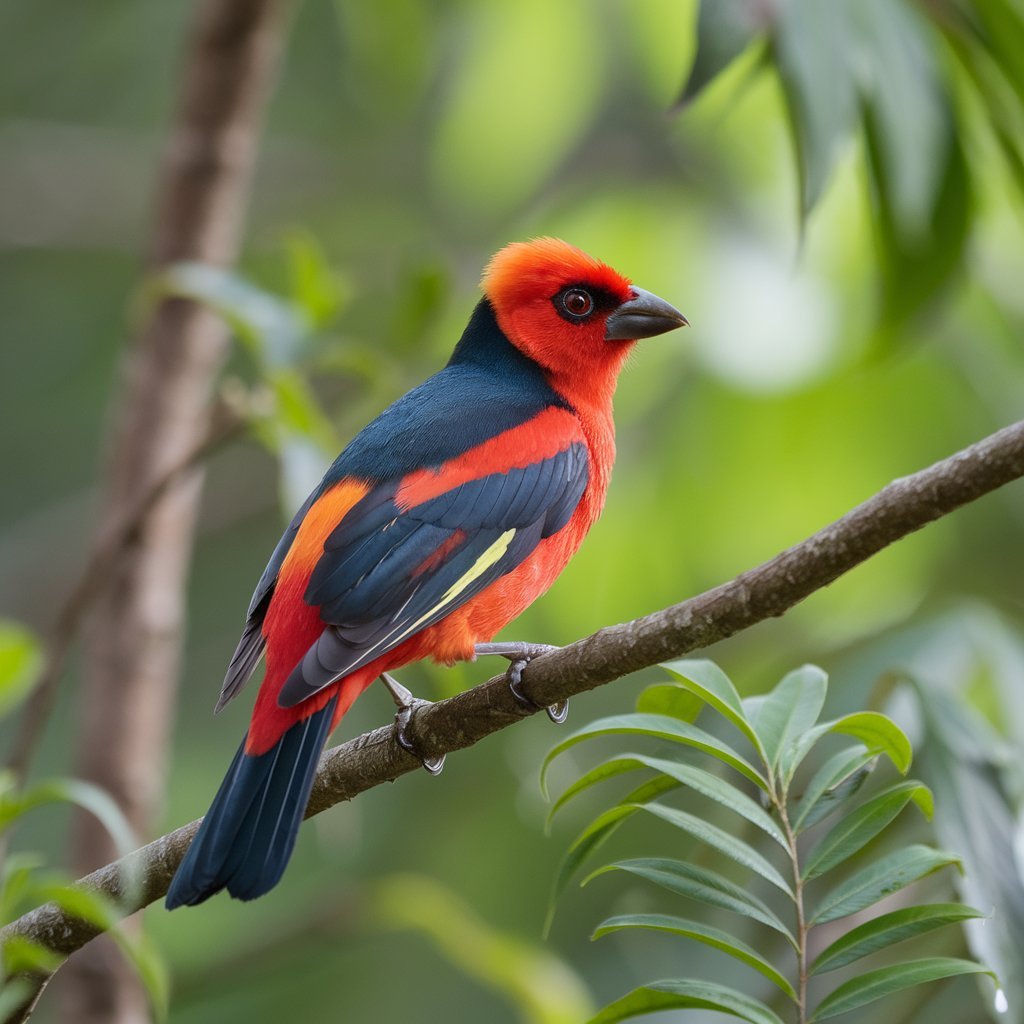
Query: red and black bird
(438, 524)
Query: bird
(437, 525)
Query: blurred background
(840, 217)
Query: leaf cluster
(24, 880)
(794, 862)
(907, 77)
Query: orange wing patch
(291, 625)
(325, 514)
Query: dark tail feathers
(249, 832)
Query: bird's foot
(407, 704)
(520, 655)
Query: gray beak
(643, 316)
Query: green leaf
(609, 769)
(686, 994)
(790, 710)
(879, 734)
(833, 783)
(300, 433)
(699, 884)
(298, 410)
(917, 266)
(98, 910)
(670, 699)
(22, 955)
(889, 929)
(315, 288)
(701, 933)
(597, 833)
(977, 813)
(812, 54)
(145, 957)
(860, 826)
(272, 328)
(877, 880)
(13, 995)
(899, 81)
(659, 727)
(706, 680)
(688, 775)
(18, 883)
(724, 30)
(1004, 111)
(21, 660)
(1004, 38)
(718, 789)
(885, 981)
(735, 849)
(83, 903)
(73, 791)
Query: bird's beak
(643, 316)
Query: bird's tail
(249, 832)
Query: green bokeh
(412, 139)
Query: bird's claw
(406, 704)
(403, 716)
(520, 655)
(558, 713)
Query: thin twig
(766, 591)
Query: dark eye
(577, 302)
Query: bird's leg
(520, 655)
(407, 704)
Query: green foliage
(961, 673)
(877, 67)
(782, 729)
(20, 662)
(372, 142)
(25, 884)
(278, 333)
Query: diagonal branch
(766, 591)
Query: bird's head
(573, 315)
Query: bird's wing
(461, 407)
(250, 646)
(412, 551)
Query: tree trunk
(133, 647)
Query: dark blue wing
(388, 573)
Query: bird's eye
(577, 302)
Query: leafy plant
(902, 75)
(24, 881)
(796, 863)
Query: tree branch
(766, 591)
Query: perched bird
(438, 524)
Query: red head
(572, 314)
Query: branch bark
(767, 591)
(133, 651)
